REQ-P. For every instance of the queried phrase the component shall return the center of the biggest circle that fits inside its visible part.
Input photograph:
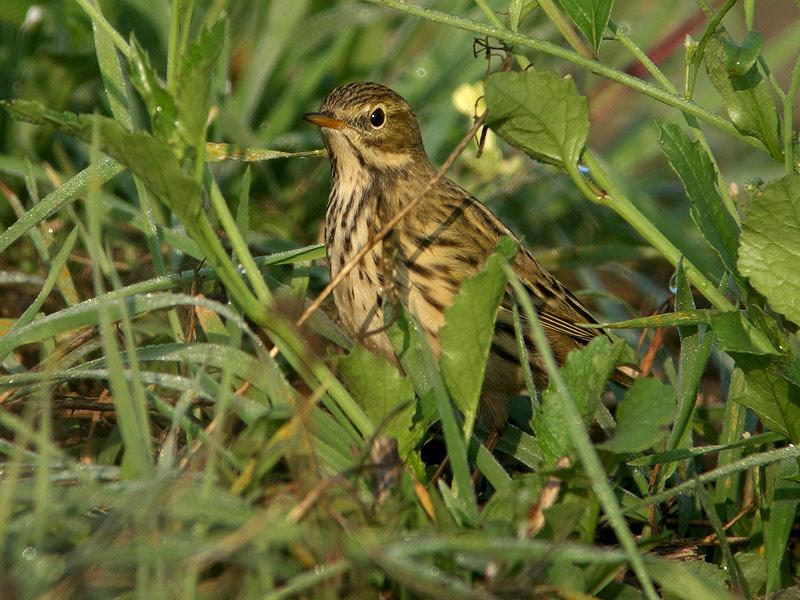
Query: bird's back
(445, 240)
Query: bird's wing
(558, 308)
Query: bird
(378, 165)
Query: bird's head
(369, 125)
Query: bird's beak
(323, 120)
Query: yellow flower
(468, 100)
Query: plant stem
(238, 242)
(566, 29)
(751, 461)
(98, 20)
(701, 46)
(788, 125)
(648, 89)
(619, 203)
(172, 50)
(487, 10)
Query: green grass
(167, 431)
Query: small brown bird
(378, 165)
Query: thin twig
(711, 537)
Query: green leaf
(514, 14)
(747, 98)
(585, 372)
(591, 17)
(679, 318)
(779, 518)
(194, 84)
(696, 343)
(754, 570)
(692, 164)
(740, 59)
(416, 357)
(679, 454)
(467, 334)
(539, 112)
(160, 104)
(643, 417)
(690, 580)
(758, 385)
(736, 334)
(386, 396)
(769, 251)
(415, 354)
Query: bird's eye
(377, 118)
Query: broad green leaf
(591, 17)
(736, 334)
(585, 372)
(520, 446)
(539, 112)
(692, 164)
(386, 396)
(643, 417)
(740, 59)
(467, 334)
(779, 518)
(565, 575)
(512, 503)
(758, 385)
(769, 251)
(747, 98)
